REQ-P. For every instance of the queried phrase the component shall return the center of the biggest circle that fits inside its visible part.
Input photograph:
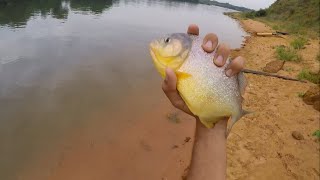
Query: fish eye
(167, 40)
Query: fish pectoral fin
(182, 75)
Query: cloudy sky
(253, 4)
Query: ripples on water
(62, 61)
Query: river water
(74, 70)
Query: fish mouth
(153, 53)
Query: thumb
(170, 81)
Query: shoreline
(262, 144)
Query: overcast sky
(252, 4)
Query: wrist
(219, 129)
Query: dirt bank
(261, 145)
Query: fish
(205, 88)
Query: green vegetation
(307, 75)
(253, 14)
(173, 117)
(297, 13)
(225, 5)
(298, 43)
(287, 54)
(16, 13)
(318, 57)
(288, 69)
(300, 94)
(293, 16)
(316, 133)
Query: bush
(287, 54)
(250, 14)
(261, 13)
(298, 43)
(253, 14)
(307, 75)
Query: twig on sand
(272, 75)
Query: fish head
(170, 51)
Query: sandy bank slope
(261, 145)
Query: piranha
(204, 87)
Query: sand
(261, 145)
(154, 148)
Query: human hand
(210, 43)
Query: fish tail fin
(235, 119)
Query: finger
(210, 42)
(222, 55)
(235, 66)
(193, 29)
(169, 87)
(170, 81)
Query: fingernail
(229, 72)
(208, 44)
(219, 60)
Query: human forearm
(209, 159)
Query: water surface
(62, 62)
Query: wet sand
(152, 147)
(147, 147)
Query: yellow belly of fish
(203, 101)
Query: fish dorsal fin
(182, 75)
(242, 82)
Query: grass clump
(300, 94)
(307, 75)
(289, 69)
(318, 57)
(316, 134)
(298, 43)
(287, 54)
(173, 117)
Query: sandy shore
(259, 147)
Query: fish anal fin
(235, 119)
(210, 122)
(206, 123)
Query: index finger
(193, 29)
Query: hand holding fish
(211, 92)
(169, 84)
